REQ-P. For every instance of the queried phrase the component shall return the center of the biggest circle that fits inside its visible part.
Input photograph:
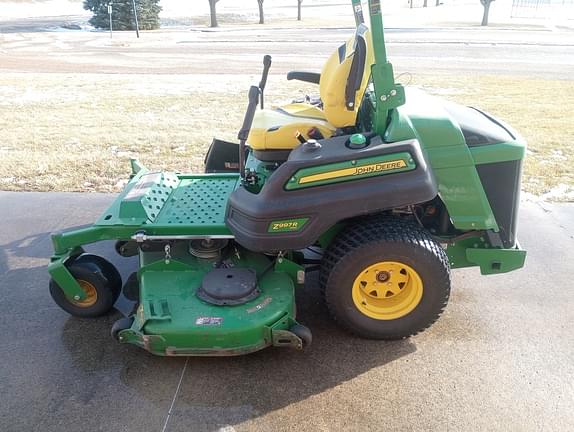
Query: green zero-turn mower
(382, 189)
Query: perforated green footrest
(169, 201)
(148, 195)
(198, 201)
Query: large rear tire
(385, 278)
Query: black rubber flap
(229, 286)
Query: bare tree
(213, 13)
(261, 16)
(486, 5)
(299, 9)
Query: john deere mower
(380, 188)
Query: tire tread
(371, 230)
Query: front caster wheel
(119, 325)
(302, 333)
(99, 280)
(105, 268)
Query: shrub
(123, 15)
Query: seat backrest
(345, 77)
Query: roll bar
(388, 94)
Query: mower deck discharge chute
(389, 187)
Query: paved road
(500, 358)
(539, 53)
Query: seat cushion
(276, 128)
(335, 76)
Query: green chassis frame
(127, 219)
(142, 213)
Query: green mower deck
(170, 314)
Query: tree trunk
(425, 3)
(213, 13)
(299, 9)
(261, 16)
(486, 5)
(437, 3)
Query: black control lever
(247, 122)
(263, 82)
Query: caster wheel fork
(302, 333)
(120, 325)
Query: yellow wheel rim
(91, 295)
(387, 290)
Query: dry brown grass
(77, 132)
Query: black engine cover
(249, 215)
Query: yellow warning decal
(355, 171)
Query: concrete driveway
(500, 358)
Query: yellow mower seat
(276, 129)
(343, 81)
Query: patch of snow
(120, 153)
(528, 197)
(72, 28)
(180, 149)
(226, 428)
(559, 155)
(121, 183)
(562, 192)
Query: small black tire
(131, 289)
(105, 268)
(119, 325)
(385, 241)
(302, 333)
(98, 282)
